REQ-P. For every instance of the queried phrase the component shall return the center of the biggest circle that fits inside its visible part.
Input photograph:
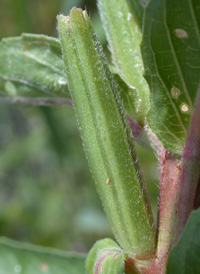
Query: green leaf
(184, 257)
(31, 66)
(21, 258)
(128, 96)
(124, 37)
(106, 136)
(171, 55)
(105, 257)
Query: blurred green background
(47, 194)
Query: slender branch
(154, 142)
(144, 136)
(41, 101)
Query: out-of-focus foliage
(47, 195)
(27, 258)
(40, 16)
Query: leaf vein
(42, 62)
(194, 20)
(167, 92)
(176, 61)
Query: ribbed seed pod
(106, 136)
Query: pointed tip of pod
(75, 10)
(63, 23)
(78, 15)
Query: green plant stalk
(124, 37)
(106, 136)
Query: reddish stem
(130, 267)
(179, 193)
(169, 169)
(190, 171)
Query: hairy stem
(178, 190)
(190, 169)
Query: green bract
(105, 257)
(106, 136)
(124, 37)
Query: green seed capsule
(106, 136)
